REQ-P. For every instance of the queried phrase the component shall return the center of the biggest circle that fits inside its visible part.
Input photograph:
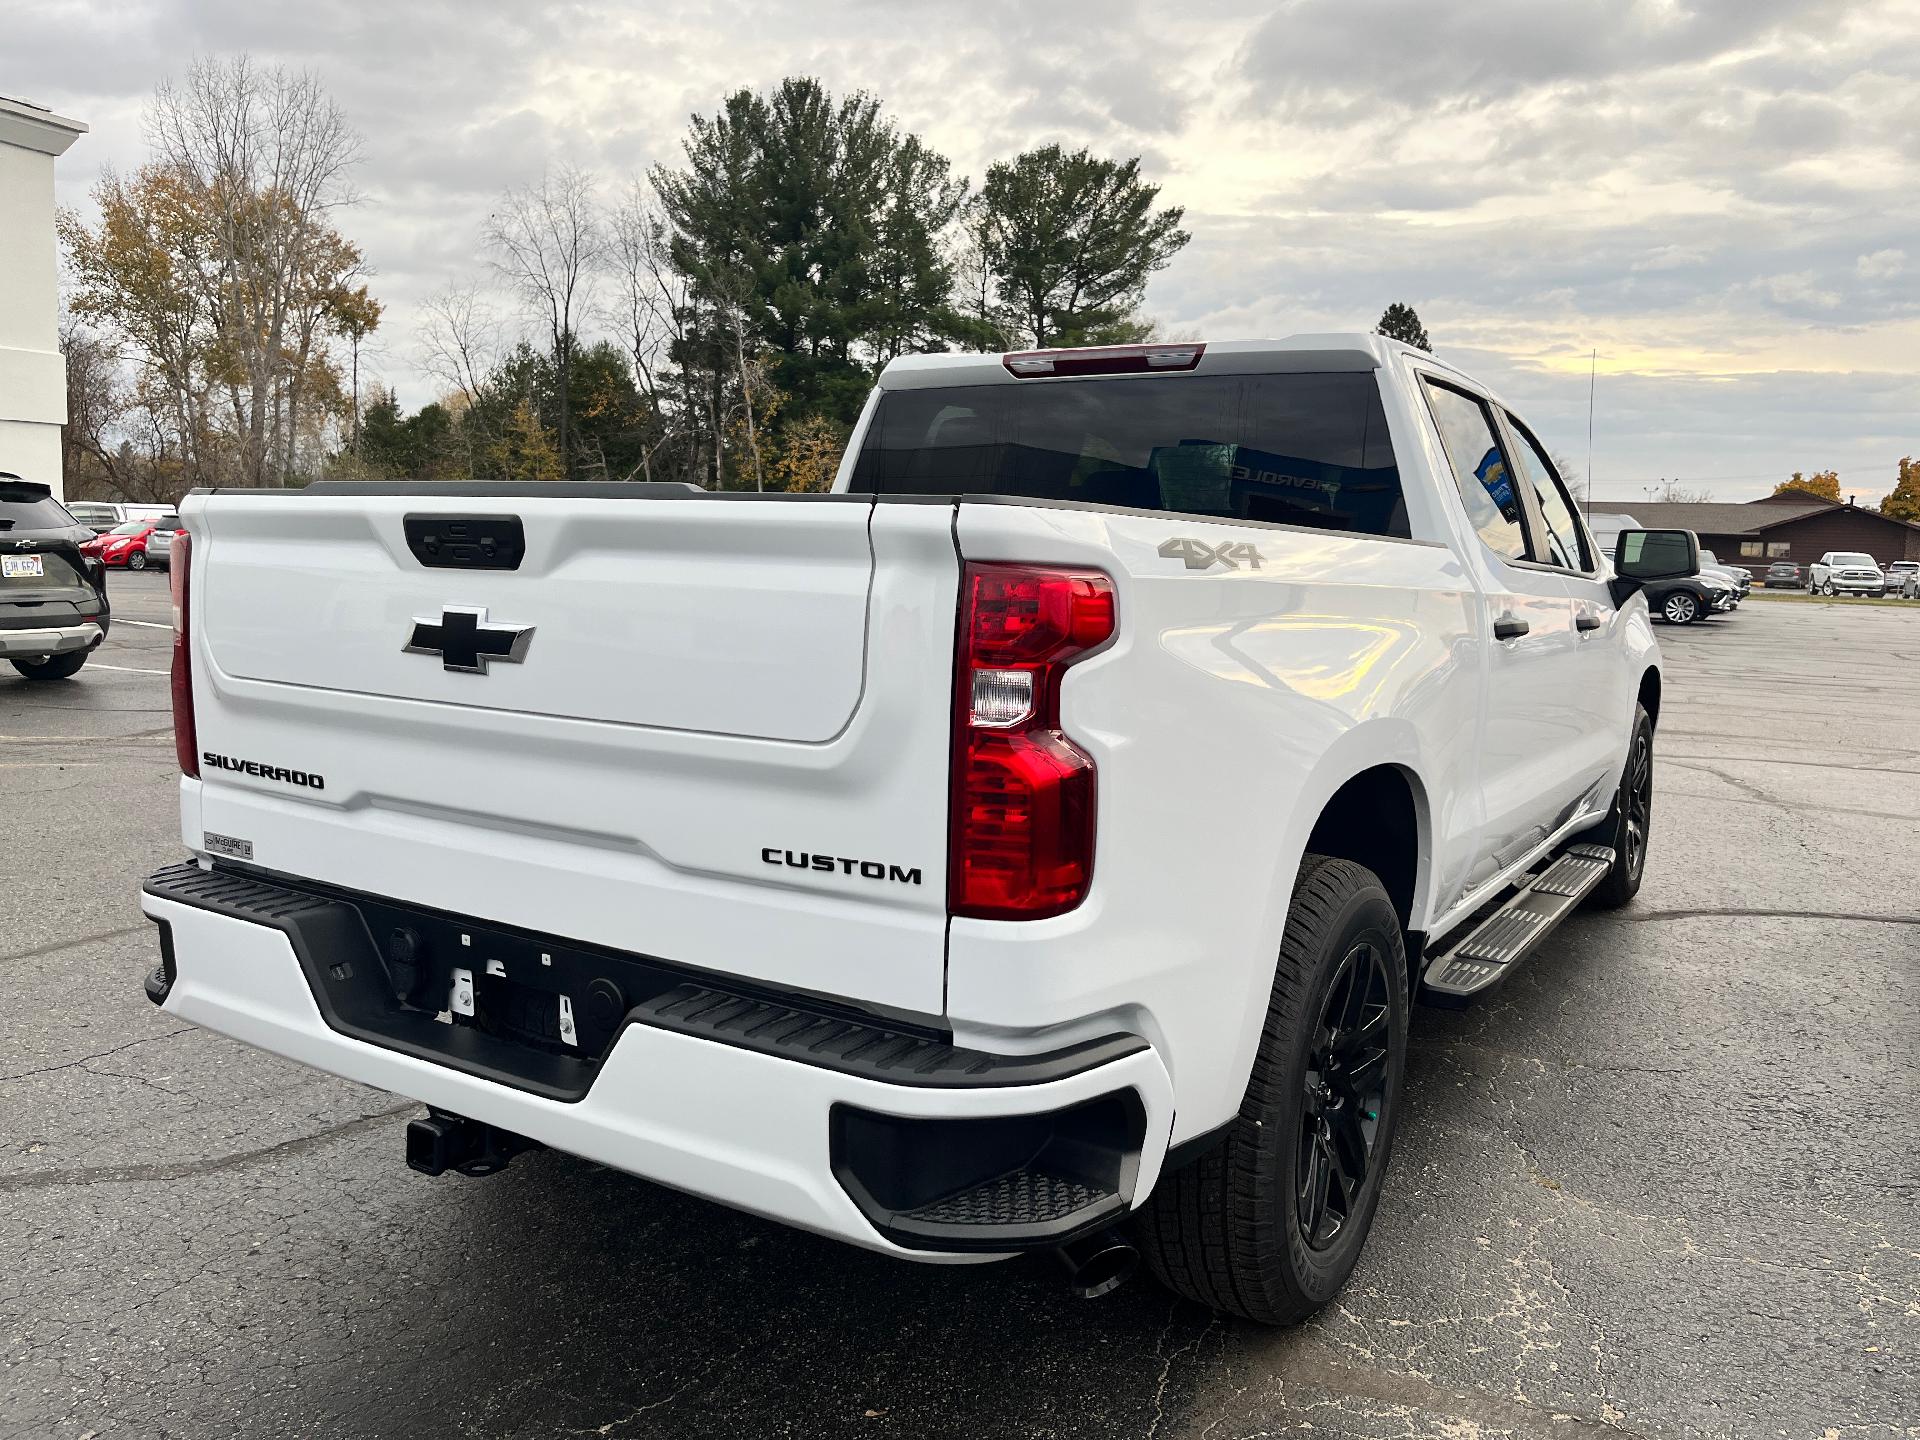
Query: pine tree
(1068, 241)
(1400, 322)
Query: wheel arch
(1650, 694)
(1372, 769)
(1378, 818)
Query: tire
(54, 667)
(137, 560)
(1232, 1229)
(1681, 607)
(1629, 822)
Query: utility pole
(1593, 374)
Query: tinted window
(1563, 531)
(1297, 449)
(1479, 470)
(22, 509)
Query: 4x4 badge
(1201, 556)
(464, 640)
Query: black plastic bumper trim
(991, 1184)
(872, 1052)
(331, 932)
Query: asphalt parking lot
(1667, 1184)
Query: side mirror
(1640, 556)
(1645, 555)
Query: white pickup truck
(1036, 843)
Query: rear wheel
(1681, 608)
(1629, 822)
(54, 667)
(1269, 1224)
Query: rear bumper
(50, 640)
(888, 1141)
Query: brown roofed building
(1795, 527)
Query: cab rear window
(1308, 449)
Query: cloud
(1718, 195)
(1881, 264)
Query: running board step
(1498, 946)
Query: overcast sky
(1720, 196)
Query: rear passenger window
(1479, 470)
(1563, 531)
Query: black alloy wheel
(1345, 1095)
(1636, 796)
(1629, 821)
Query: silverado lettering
(265, 772)
(866, 869)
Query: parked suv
(53, 599)
(1048, 830)
(1678, 599)
(1846, 572)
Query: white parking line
(145, 624)
(127, 669)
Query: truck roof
(1343, 350)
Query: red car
(126, 545)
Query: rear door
(1561, 542)
(708, 729)
(1531, 729)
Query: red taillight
(1023, 793)
(1103, 360)
(179, 574)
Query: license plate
(21, 567)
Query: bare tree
(459, 338)
(546, 241)
(266, 154)
(650, 303)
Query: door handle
(1586, 620)
(1509, 627)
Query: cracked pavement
(1666, 1184)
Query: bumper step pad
(1494, 949)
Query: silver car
(1903, 579)
(160, 542)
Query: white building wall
(33, 377)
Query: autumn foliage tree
(216, 270)
(1903, 501)
(1825, 484)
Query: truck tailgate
(711, 697)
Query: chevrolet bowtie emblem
(463, 639)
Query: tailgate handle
(466, 542)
